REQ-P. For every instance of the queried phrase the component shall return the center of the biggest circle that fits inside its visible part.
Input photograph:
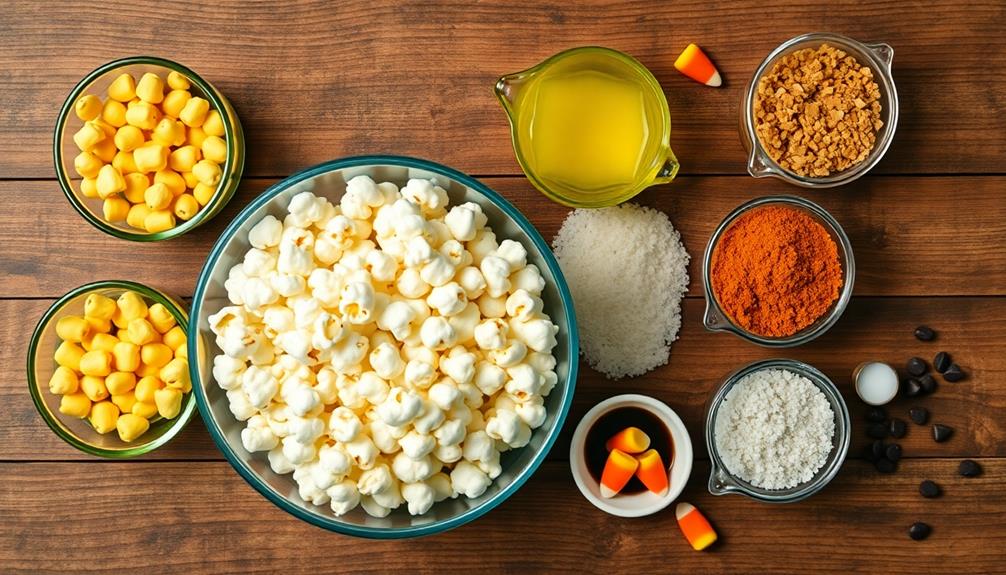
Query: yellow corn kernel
(87, 165)
(182, 159)
(155, 354)
(194, 112)
(150, 88)
(174, 338)
(191, 181)
(63, 381)
(73, 328)
(98, 325)
(132, 305)
(172, 180)
(141, 332)
(134, 101)
(126, 355)
(68, 354)
(120, 382)
(103, 342)
(146, 387)
(203, 193)
(178, 81)
(137, 215)
(96, 362)
(105, 150)
(168, 402)
(124, 162)
(132, 426)
(136, 184)
(174, 101)
(207, 172)
(122, 88)
(105, 127)
(182, 353)
(186, 207)
(114, 112)
(124, 402)
(94, 387)
(168, 132)
(150, 157)
(99, 306)
(88, 136)
(104, 416)
(120, 320)
(87, 107)
(157, 197)
(123, 334)
(115, 209)
(89, 188)
(75, 405)
(159, 221)
(128, 138)
(147, 370)
(160, 317)
(109, 181)
(213, 125)
(196, 137)
(144, 409)
(143, 115)
(175, 372)
(215, 149)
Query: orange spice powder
(775, 271)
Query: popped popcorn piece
(492, 334)
(419, 496)
(345, 497)
(523, 306)
(437, 333)
(448, 299)
(387, 361)
(489, 378)
(537, 334)
(509, 355)
(459, 365)
(469, 480)
(465, 221)
(344, 425)
(257, 436)
(400, 407)
(472, 281)
(528, 279)
(266, 233)
(417, 445)
(513, 253)
(496, 271)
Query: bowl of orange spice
(778, 271)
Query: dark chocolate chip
(911, 387)
(942, 362)
(877, 450)
(919, 531)
(877, 430)
(893, 452)
(876, 415)
(916, 366)
(928, 384)
(925, 333)
(898, 428)
(942, 432)
(919, 415)
(885, 465)
(929, 489)
(953, 374)
(969, 468)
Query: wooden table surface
(313, 81)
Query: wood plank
(331, 80)
(202, 518)
(972, 329)
(911, 235)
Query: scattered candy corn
(629, 440)
(652, 472)
(695, 526)
(618, 470)
(696, 65)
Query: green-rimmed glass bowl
(65, 150)
(78, 432)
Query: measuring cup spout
(507, 89)
(669, 169)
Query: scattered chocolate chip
(916, 366)
(942, 432)
(928, 384)
(925, 333)
(941, 362)
(919, 415)
(953, 374)
(898, 428)
(919, 531)
(885, 465)
(876, 415)
(877, 430)
(911, 388)
(893, 452)
(969, 468)
(929, 489)
(877, 450)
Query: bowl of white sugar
(777, 430)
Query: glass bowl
(64, 149)
(329, 180)
(877, 57)
(716, 319)
(78, 432)
(722, 481)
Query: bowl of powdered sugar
(777, 431)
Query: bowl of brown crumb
(820, 110)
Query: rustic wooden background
(313, 81)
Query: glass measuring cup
(520, 94)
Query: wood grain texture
(910, 235)
(317, 80)
(972, 329)
(202, 518)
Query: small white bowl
(645, 502)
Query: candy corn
(652, 472)
(695, 526)
(629, 440)
(696, 65)
(618, 470)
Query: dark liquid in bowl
(609, 424)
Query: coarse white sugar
(774, 429)
(628, 271)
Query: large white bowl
(329, 180)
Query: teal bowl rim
(326, 523)
(177, 424)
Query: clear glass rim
(53, 421)
(232, 169)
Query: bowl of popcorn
(820, 111)
(388, 346)
(108, 368)
(146, 150)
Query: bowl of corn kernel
(146, 150)
(108, 368)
